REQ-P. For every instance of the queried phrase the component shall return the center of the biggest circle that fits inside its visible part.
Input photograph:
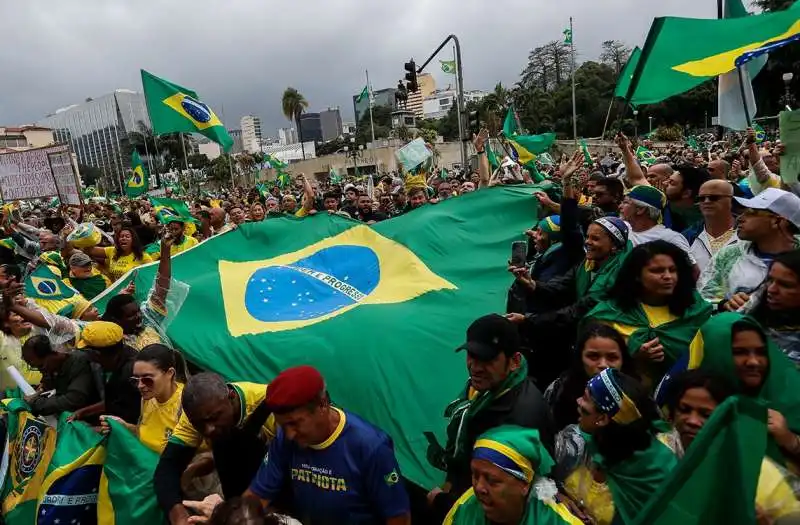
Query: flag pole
(371, 99)
(458, 90)
(747, 117)
(574, 110)
(230, 155)
(146, 152)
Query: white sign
(27, 174)
(64, 175)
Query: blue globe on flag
(196, 109)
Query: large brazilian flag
(379, 309)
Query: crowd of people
(651, 291)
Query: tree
(381, 118)
(403, 133)
(89, 174)
(548, 66)
(615, 54)
(198, 160)
(219, 170)
(294, 104)
(427, 134)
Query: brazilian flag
(378, 309)
(167, 210)
(284, 179)
(137, 183)
(176, 109)
(44, 283)
(74, 474)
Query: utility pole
(371, 100)
(574, 110)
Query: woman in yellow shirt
(126, 254)
(655, 306)
(159, 373)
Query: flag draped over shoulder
(137, 183)
(716, 480)
(672, 64)
(329, 291)
(75, 475)
(176, 109)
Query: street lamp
(787, 99)
(635, 122)
(651, 124)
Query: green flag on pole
(567, 36)
(137, 183)
(284, 179)
(448, 66)
(672, 64)
(167, 210)
(587, 157)
(364, 94)
(510, 123)
(334, 177)
(625, 77)
(176, 109)
(491, 157)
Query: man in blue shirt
(339, 468)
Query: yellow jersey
(158, 420)
(119, 266)
(251, 395)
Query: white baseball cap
(780, 202)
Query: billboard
(39, 172)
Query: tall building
(97, 129)
(251, 133)
(427, 85)
(236, 135)
(24, 137)
(382, 97)
(331, 124)
(287, 136)
(438, 104)
(310, 127)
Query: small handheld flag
(284, 179)
(645, 156)
(761, 135)
(587, 157)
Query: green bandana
(460, 412)
(675, 336)
(711, 350)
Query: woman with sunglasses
(159, 373)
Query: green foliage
(89, 174)
(669, 133)
(293, 104)
(381, 117)
(427, 134)
(219, 170)
(198, 160)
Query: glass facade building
(98, 128)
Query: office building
(427, 85)
(98, 127)
(438, 104)
(292, 152)
(331, 124)
(251, 133)
(381, 97)
(310, 127)
(287, 136)
(238, 146)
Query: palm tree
(294, 104)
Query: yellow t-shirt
(594, 497)
(250, 396)
(158, 420)
(119, 266)
(774, 495)
(175, 249)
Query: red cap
(294, 387)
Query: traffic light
(411, 76)
(473, 124)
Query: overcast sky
(243, 53)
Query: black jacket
(74, 387)
(122, 398)
(523, 406)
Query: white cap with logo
(779, 202)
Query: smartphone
(519, 253)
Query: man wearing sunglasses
(768, 226)
(718, 228)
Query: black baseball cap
(489, 336)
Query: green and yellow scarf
(460, 412)
(594, 280)
(675, 336)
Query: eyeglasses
(711, 198)
(147, 381)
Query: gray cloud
(243, 53)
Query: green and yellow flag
(645, 156)
(137, 183)
(625, 77)
(672, 64)
(75, 475)
(176, 109)
(761, 134)
(284, 179)
(168, 210)
(328, 291)
(448, 66)
(363, 95)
